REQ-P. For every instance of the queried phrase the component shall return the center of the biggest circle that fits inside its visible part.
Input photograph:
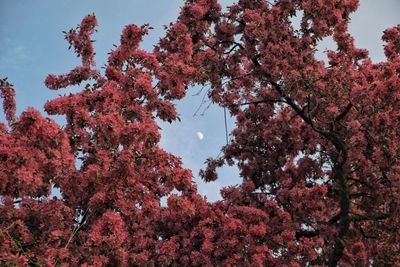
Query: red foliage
(317, 141)
(110, 211)
(316, 144)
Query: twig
(226, 127)
(76, 229)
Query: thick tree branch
(344, 220)
(369, 217)
(339, 173)
(344, 112)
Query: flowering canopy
(316, 143)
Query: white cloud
(13, 56)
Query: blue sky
(32, 46)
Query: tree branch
(77, 228)
(306, 233)
(261, 101)
(344, 220)
(369, 217)
(339, 174)
(344, 112)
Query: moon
(200, 135)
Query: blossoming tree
(316, 143)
